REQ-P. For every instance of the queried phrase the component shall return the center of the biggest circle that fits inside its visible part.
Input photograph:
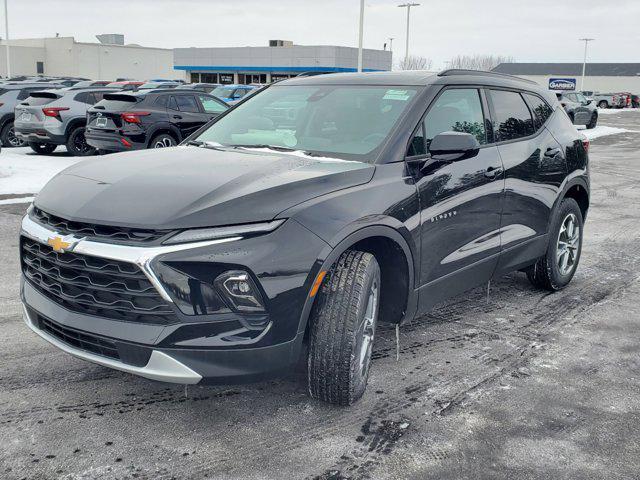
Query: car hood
(188, 186)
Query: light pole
(360, 36)
(391, 43)
(6, 40)
(408, 6)
(584, 62)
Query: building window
(195, 77)
(209, 78)
(39, 68)
(226, 78)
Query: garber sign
(562, 84)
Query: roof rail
(481, 73)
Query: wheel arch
(580, 193)
(398, 300)
(164, 128)
(73, 124)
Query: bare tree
(479, 62)
(415, 62)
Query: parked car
(92, 83)
(218, 260)
(609, 100)
(203, 87)
(232, 94)
(148, 118)
(126, 85)
(155, 85)
(57, 117)
(580, 110)
(11, 93)
(635, 101)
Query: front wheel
(593, 122)
(556, 268)
(603, 104)
(77, 144)
(42, 148)
(8, 137)
(343, 327)
(163, 141)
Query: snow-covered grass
(24, 171)
(612, 111)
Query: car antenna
(397, 342)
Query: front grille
(94, 286)
(95, 231)
(77, 339)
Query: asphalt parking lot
(522, 384)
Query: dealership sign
(562, 84)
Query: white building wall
(596, 84)
(23, 60)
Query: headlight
(240, 291)
(202, 234)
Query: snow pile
(24, 171)
(603, 131)
(612, 111)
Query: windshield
(343, 121)
(223, 92)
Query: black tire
(163, 140)
(593, 122)
(42, 148)
(343, 326)
(8, 137)
(603, 104)
(77, 144)
(547, 272)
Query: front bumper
(194, 349)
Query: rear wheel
(593, 122)
(42, 148)
(556, 268)
(343, 327)
(8, 137)
(77, 144)
(603, 104)
(163, 140)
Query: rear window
(115, 102)
(40, 98)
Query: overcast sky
(528, 30)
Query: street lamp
(360, 36)
(391, 43)
(408, 6)
(6, 31)
(584, 62)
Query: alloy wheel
(568, 245)
(164, 143)
(13, 140)
(367, 331)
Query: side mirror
(453, 146)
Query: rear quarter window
(512, 116)
(541, 109)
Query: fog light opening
(239, 289)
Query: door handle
(177, 117)
(552, 152)
(493, 172)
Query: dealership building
(107, 59)
(599, 77)
(281, 59)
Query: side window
(163, 101)
(211, 105)
(240, 92)
(513, 119)
(540, 109)
(417, 146)
(98, 96)
(456, 110)
(84, 97)
(187, 103)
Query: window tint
(84, 97)
(456, 110)
(513, 119)
(97, 96)
(162, 101)
(186, 103)
(211, 105)
(540, 109)
(24, 93)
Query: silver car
(12, 93)
(57, 117)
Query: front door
(460, 202)
(184, 111)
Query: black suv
(148, 119)
(308, 214)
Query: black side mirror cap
(454, 146)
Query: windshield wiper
(277, 148)
(201, 144)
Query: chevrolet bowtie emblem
(58, 244)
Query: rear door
(185, 112)
(534, 170)
(460, 202)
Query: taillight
(133, 117)
(586, 144)
(54, 111)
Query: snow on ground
(612, 111)
(24, 171)
(602, 131)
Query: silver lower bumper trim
(160, 367)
